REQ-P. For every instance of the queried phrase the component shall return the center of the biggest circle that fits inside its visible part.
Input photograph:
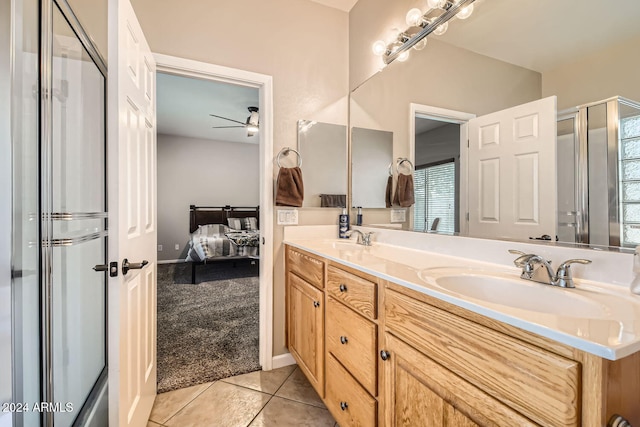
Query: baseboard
(282, 360)
(171, 261)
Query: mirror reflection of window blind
(435, 188)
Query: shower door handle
(126, 265)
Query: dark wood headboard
(201, 215)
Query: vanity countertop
(598, 318)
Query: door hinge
(467, 143)
(467, 216)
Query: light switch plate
(398, 215)
(287, 217)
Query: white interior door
(133, 231)
(510, 194)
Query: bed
(222, 233)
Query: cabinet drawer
(348, 402)
(354, 291)
(538, 384)
(352, 340)
(309, 268)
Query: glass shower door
(74, 220)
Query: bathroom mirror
(323, 148)
(371, 159)
(501, 57)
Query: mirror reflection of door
(437, 176)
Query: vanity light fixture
(438, 25)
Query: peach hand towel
(289, 188)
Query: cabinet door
(419, 392)
(306, 329)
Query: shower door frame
(46, 203)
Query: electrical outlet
(398, 215)
(287, 217)
(159, 248)
(177, 247)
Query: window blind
(435, 188)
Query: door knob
(126, 265)
(344, 340)
(384, 355)
(112, 268)
(343, 287)
(344, 406)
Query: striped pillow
(235, 223)
(250, 223)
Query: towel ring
(402, 160)
(390, 167)
(285, 152)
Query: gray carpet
(209, 330)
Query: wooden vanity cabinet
(382, 354)
(305, 315)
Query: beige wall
(200, 172)
(607, 73)
(302, 44)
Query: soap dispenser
(343, 225)
(635, 284)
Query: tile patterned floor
(278, 398)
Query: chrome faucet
(538, 269)
(363, 238)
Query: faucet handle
(568, 262)
(564, 276)
(516, 252)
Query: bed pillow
(250, 223)
(235, 223)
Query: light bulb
(414, 17)
(379, 48)
(465, 12)
(436, 4)
(441, 29)
(421, 44)
(403, 56)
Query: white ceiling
(543, 34)
(184, 105)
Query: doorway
(438, 141)
(208, 251)
(263, 83)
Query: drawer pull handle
(344, 340)
(316, 304)
(343, 287)
(384, 355)
(344, 406)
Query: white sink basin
(524, 295)
(507, 289)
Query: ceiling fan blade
(231, 120)
(225, 127)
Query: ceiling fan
(252, 124)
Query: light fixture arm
(451, 9)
